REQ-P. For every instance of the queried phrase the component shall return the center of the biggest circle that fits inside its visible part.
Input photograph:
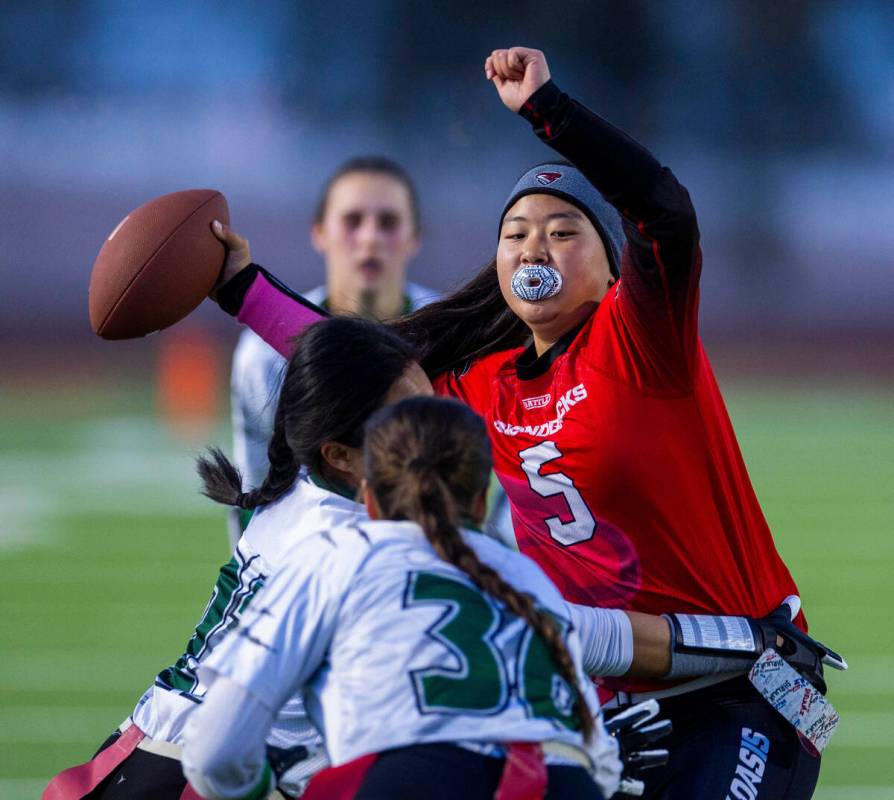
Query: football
(158, 264)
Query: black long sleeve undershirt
(621, 168)
(662, 263)
(624, 171)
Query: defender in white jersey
(408, 638)
(310, 487)
(262, 550)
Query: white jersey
(393, 646)
(263, 550)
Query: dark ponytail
(470, 323)
(339, 373)
(427, 460)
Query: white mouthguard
(536, 282)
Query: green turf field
(108, 556)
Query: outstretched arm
(258, 299)
(615, 642)
(676, 646)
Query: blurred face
(542, 229)
(347, 462)
(367, 235)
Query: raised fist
(517, 73)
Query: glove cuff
(702, 644)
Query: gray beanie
(568, 183)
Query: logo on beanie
(546, 178)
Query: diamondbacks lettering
(563, 405)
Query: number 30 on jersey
(582, 526)
(474, 629)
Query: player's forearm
(224, 755)
(267, 306)
(612, 161)
(624, 171)
(651, 645)
(615, 642)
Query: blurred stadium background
(779, 117)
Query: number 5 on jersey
(582, 526)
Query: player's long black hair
(339, 373)
(427, 459)
(469, 323)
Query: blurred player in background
(367, 228)
(360, 620)
(579, 345)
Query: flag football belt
(525, 774)
(622, 699)
(159, 747)
(83, 779)
(566, 752)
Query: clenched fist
(517, 73)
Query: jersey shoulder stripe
(238, 581)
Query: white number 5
(582, 526)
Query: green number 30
(483, 682)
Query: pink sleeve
(275, 316)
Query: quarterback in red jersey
(579, 346)
(609, 434)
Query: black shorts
(729, 742)
(141, 776)
(448, 772)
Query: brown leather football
(158, 264)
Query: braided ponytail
(427, 460)
(223, 482)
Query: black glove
(633, 733)
(803, 652)
(282, 759)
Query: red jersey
(623, 474)
(614, 447)
(625, 481)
